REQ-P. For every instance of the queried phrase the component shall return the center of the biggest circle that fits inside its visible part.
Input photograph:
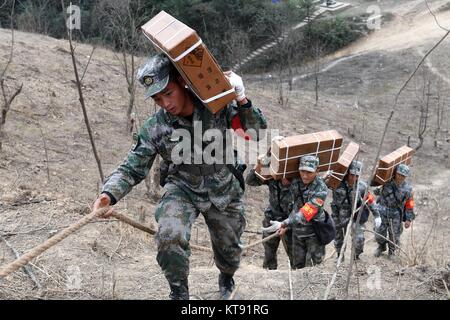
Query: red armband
(409, 204)
(370, 198)
(309, 211)
(236, 125)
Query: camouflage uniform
(280, 205)
(342, 206)
(308, 201)
(216, 194)
(396, 205)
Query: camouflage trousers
(175, 215)
(358, 233)
(391, 227)
(271, 246)
(303, 250)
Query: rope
(33, 253)
(133, 223)
(261, 241)
(151, 231)
(36, 251)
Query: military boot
(226, 285)
(179, 290)
(381, 248)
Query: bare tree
(8, 98)
(123, 19)
(81, 99)
(423, 121)
(317, 52)
(33, 18)
(236, 44)
(440, 114)
(284, 55)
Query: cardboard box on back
(191, 58)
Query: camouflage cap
(154, 74)
(355, 168)
(403, 169)
(308, 163)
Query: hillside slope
(109, 260)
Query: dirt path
(411, 28)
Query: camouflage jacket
(280, 196)
(342, 203)
(155, 137)
(395, 200)
(308, 201)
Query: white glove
(275, 226)
(377, 222)
(237, 84)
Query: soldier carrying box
(342, 207)
(280, 206)
(211, 189)
(309, 193)
(396, 206)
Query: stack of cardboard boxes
(387, 164)
(286, 152)
(191, 58)
(341, 167)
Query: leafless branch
(417, 68)
(26, 268)
(4, 2)
(233, 294)
(46, 152)
(11, 52)
(391, 114)
(394, 244)
(352, 231)
(423, 121)
(87, 64)
(7, 101)
(81, 99)
(434, 16)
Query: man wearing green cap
(191, 188)
(342, 206)
(396, 205)
(280, 206)
(309, 194)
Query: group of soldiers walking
(393, 207)
(216, 190)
